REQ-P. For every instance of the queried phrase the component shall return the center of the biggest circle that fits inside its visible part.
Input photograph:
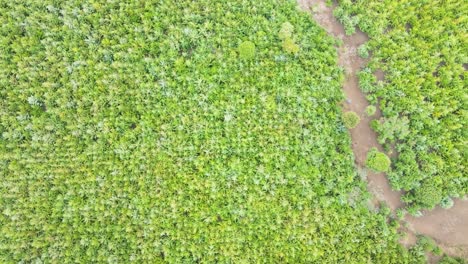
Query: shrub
(363, 51)
(427, 244)
(351, 119)
(370, 110)
(400, 213)
(286, 34)
(286, 31)
(446, 203)
(247, 50)
(377, 161)
(428, 195)
(290, 46)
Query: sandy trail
(448, 227)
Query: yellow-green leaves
(246, 50)
(351, 119)
(286, 35)
(377, 161)
(286, 31)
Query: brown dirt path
(448, 227)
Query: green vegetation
(377, 161)
(421, 47)
(370, 110)
(177, 132)
(247, 50)
(286, 34)
(446, 203)
(363, 51)
(450, 260)
(351, 119)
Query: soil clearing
(449, 227)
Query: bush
(247, 50)
(377, 161)
(286, 34)
(428, 195)
(428, 244)
(363, 51)
(290, 46)
(370, 110)
(286, 31)
(351, 119)
(400, 213)
(446, 203)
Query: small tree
(351, 119)
(377, 161)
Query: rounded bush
(446, 203)
(370, 110)
(428, 195)
(351, 119)
(247, 50)
(377, 161)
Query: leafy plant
(247, 50)
(377, 161)
(351, 119)
(290, 46)
(363, 51)
(286, 31)
(370, 110)
(446, 203)
(286, 34)
(428, 195)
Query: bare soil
(449, 227)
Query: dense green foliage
(450, 260)
(422, 48)
(133, 131)
(377, 161)
(351, 119)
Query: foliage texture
(422, 48)
(132, 132)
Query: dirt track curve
(449, 227)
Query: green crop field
(205, 131)
(422, 46)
